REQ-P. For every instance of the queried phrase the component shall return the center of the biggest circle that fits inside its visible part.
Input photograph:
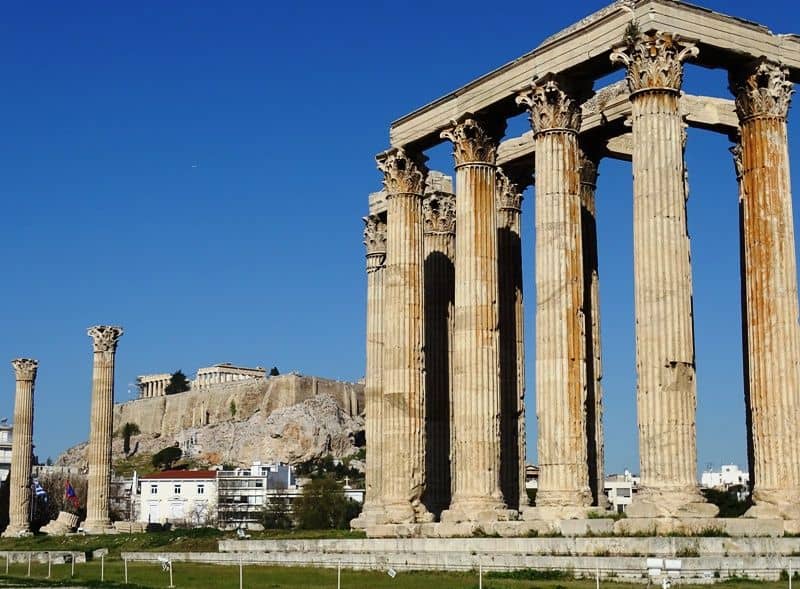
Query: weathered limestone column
(439, 212)
(560, 330)
(512, 338)
(591, 306)
(19, 506)
(403, 427)
(477, 494)
(104, 339)
(375, 241)
(665, 359)
(763, 95)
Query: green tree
(274, 371)
(128, 431)
(178, 383)
(166, 458)
(232, 408)
(323, 506)
(277, 514)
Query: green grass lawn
(204, 576)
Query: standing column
(403, 387)
(375, 241)
(476, 355)
(104, 338)
(560, 322)
(665, 360)
(591, 305)
(763, 95)
(439, 211)
(512, 340)
(19, 505)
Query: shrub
(164, 459)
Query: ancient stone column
(512, 338)
(403, 426)
(560, 329)
(665, 360)
(19, 506)
(439, 211)
(763, 94)
(375, 241)
(104, 339)
(476, 355)
(591, 306)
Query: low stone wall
(491, 555)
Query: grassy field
(201, 576)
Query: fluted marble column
(560, 330)
(19, 506)
(403, 469)
(665, 359)
(104, 341)
(763, 95)
(375, 241)
(476, 382)
(591, 306)
(439, 212)
(512, 340)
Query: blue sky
(196, 172)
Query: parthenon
(445, 375)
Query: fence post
(7, 557)
(102, 568)
(49, 565)
(480, 574)
(171, 586)
(125, 561)
(29, 564)
(241, 580)
(72, 560)
(339, 575)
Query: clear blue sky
(196, 172)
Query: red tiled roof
(181, 474)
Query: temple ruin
(445, 353)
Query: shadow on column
(748, 408)
(590, 269)
(509, 262)
(439, 283)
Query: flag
(38, 490)
(69, 493)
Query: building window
(153, 489)
(177, 489)
(201, 490)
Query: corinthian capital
(105, 337)
(473, 141)
(403, 173)
(439, 212)
(509, 192)
(25, 368)
(762, 89)
(654, 60)
(553, 104)
(375, 235)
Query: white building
(620, 489)
(730, 475)
(6, 434)
(185, 497)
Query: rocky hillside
(297, 433)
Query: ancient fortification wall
(170, 414)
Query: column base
(547, 513)
(406, 513)
(98, 528)
(17, 532)
(670, 503)
(557, 498)
(478, 510)
(371, 515)
(775, 504)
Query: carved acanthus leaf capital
(762, 90)
(654, 60)
(439, 212)
(473, 141)
(510, 192)
(403, 173)
(552, 105)
(375, 235)
(105, 337)
(25, 368)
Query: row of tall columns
(770, 311)
(104, 340)
(156, 388)
(19, 505)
